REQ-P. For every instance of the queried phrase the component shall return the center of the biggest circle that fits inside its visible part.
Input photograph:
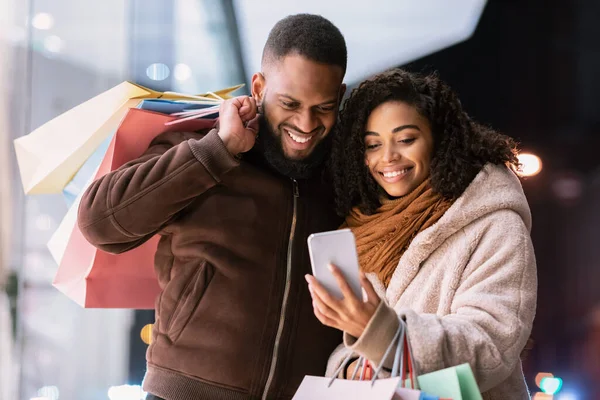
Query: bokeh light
(146, 334)
(530, 164)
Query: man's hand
(238, 124)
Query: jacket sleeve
(126, 207)
(491, 314)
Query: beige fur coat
(467, 289)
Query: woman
(442, 230)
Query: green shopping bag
(454, 383)
(457, 383)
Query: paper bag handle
(402, 351)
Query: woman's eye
(372, 146)
(407, 141)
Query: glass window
(63, 52)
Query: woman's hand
(349, 314)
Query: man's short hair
(308, 35)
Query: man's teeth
(395, 173)
(298, 139)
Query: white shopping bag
(314, 387)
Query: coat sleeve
(126, 207)
(491, 314)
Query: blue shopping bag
(83, 175)
(169, 106)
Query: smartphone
(338, 248)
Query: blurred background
(528, 68)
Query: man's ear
(258, 86)
(342, 91)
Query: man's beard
(272, 148)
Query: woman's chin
(400, 188)
(394, 192)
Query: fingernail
(307, 277)
(330, 266)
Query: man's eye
(288, 104)
(326, 109)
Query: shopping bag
(92, 277)
(394, 388)
(60, 238)
(87, 171)
(314, 387)
(78, 183)
(170, 106)
(456, 382)
(50, 156)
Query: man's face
(299, 100)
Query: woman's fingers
(343, 283)
(323, 293)
(372, 296)
(323, 307)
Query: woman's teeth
(298, 139)
(395, 173)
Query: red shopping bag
(94, 278)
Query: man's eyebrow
(291, 98)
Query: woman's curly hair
(461, 146)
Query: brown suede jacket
(234, 319)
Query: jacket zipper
(286, 293)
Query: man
(234, 319)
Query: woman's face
(398, 147)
